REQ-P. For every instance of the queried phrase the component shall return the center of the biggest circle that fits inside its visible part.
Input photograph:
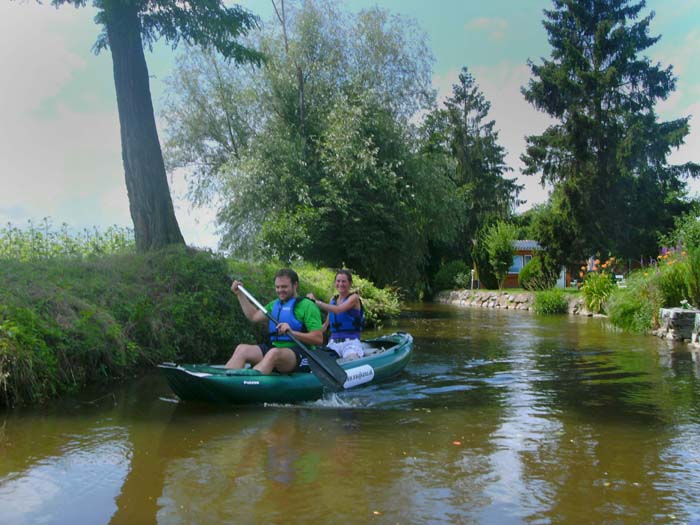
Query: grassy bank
(66, 322)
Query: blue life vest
(347, 325)
(284, 313)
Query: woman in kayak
(346, 317)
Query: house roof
(526, 245)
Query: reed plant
(42, 240)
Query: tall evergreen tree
(462, 131)
(605, 157)
(127, 24)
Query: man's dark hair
(288, 272)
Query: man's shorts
(302, 360)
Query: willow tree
(126, 26)
(320, 166)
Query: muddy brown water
(501, 417)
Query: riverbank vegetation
(66, 322)
(670, 280)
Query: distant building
(524, 251)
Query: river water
(501, 417)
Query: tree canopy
(606, 156)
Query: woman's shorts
(346, 347)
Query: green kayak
(384, 357)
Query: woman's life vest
(284, 313)
(346, 325)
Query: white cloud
(33, 52)
(495, 28)
(58, 160)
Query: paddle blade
(326, 369)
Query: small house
(524, 251)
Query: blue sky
(60, 154)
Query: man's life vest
(284, 313)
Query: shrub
(498, 240)
(673, 282)
(463, 280)
(533, 276)
(551, 301)
(693, 277)
(445, 278)
(686, 233)
(596, 289)
(69, 322)
(635, 307)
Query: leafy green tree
(126, 26)
(614, 191)
(499, 239)
(327, 170)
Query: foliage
(463, 280)
(312, 156)
(549, 302)
(635, 307)
(666, 283)
(446, 277)
(210, 24)
(498, 240)
(460, 133)
(606, 156)
(69, 322)
(43, 241)
(672, 282)
(596, 289)
(534, 277)
(693, 276)
(686, 234)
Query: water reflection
(501, 417)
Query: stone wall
(505, 300)
(679, 324)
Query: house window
(517, 264)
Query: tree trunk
(150, 204)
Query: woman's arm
(353, 301)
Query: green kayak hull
(384, 357)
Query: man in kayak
(296, 315)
